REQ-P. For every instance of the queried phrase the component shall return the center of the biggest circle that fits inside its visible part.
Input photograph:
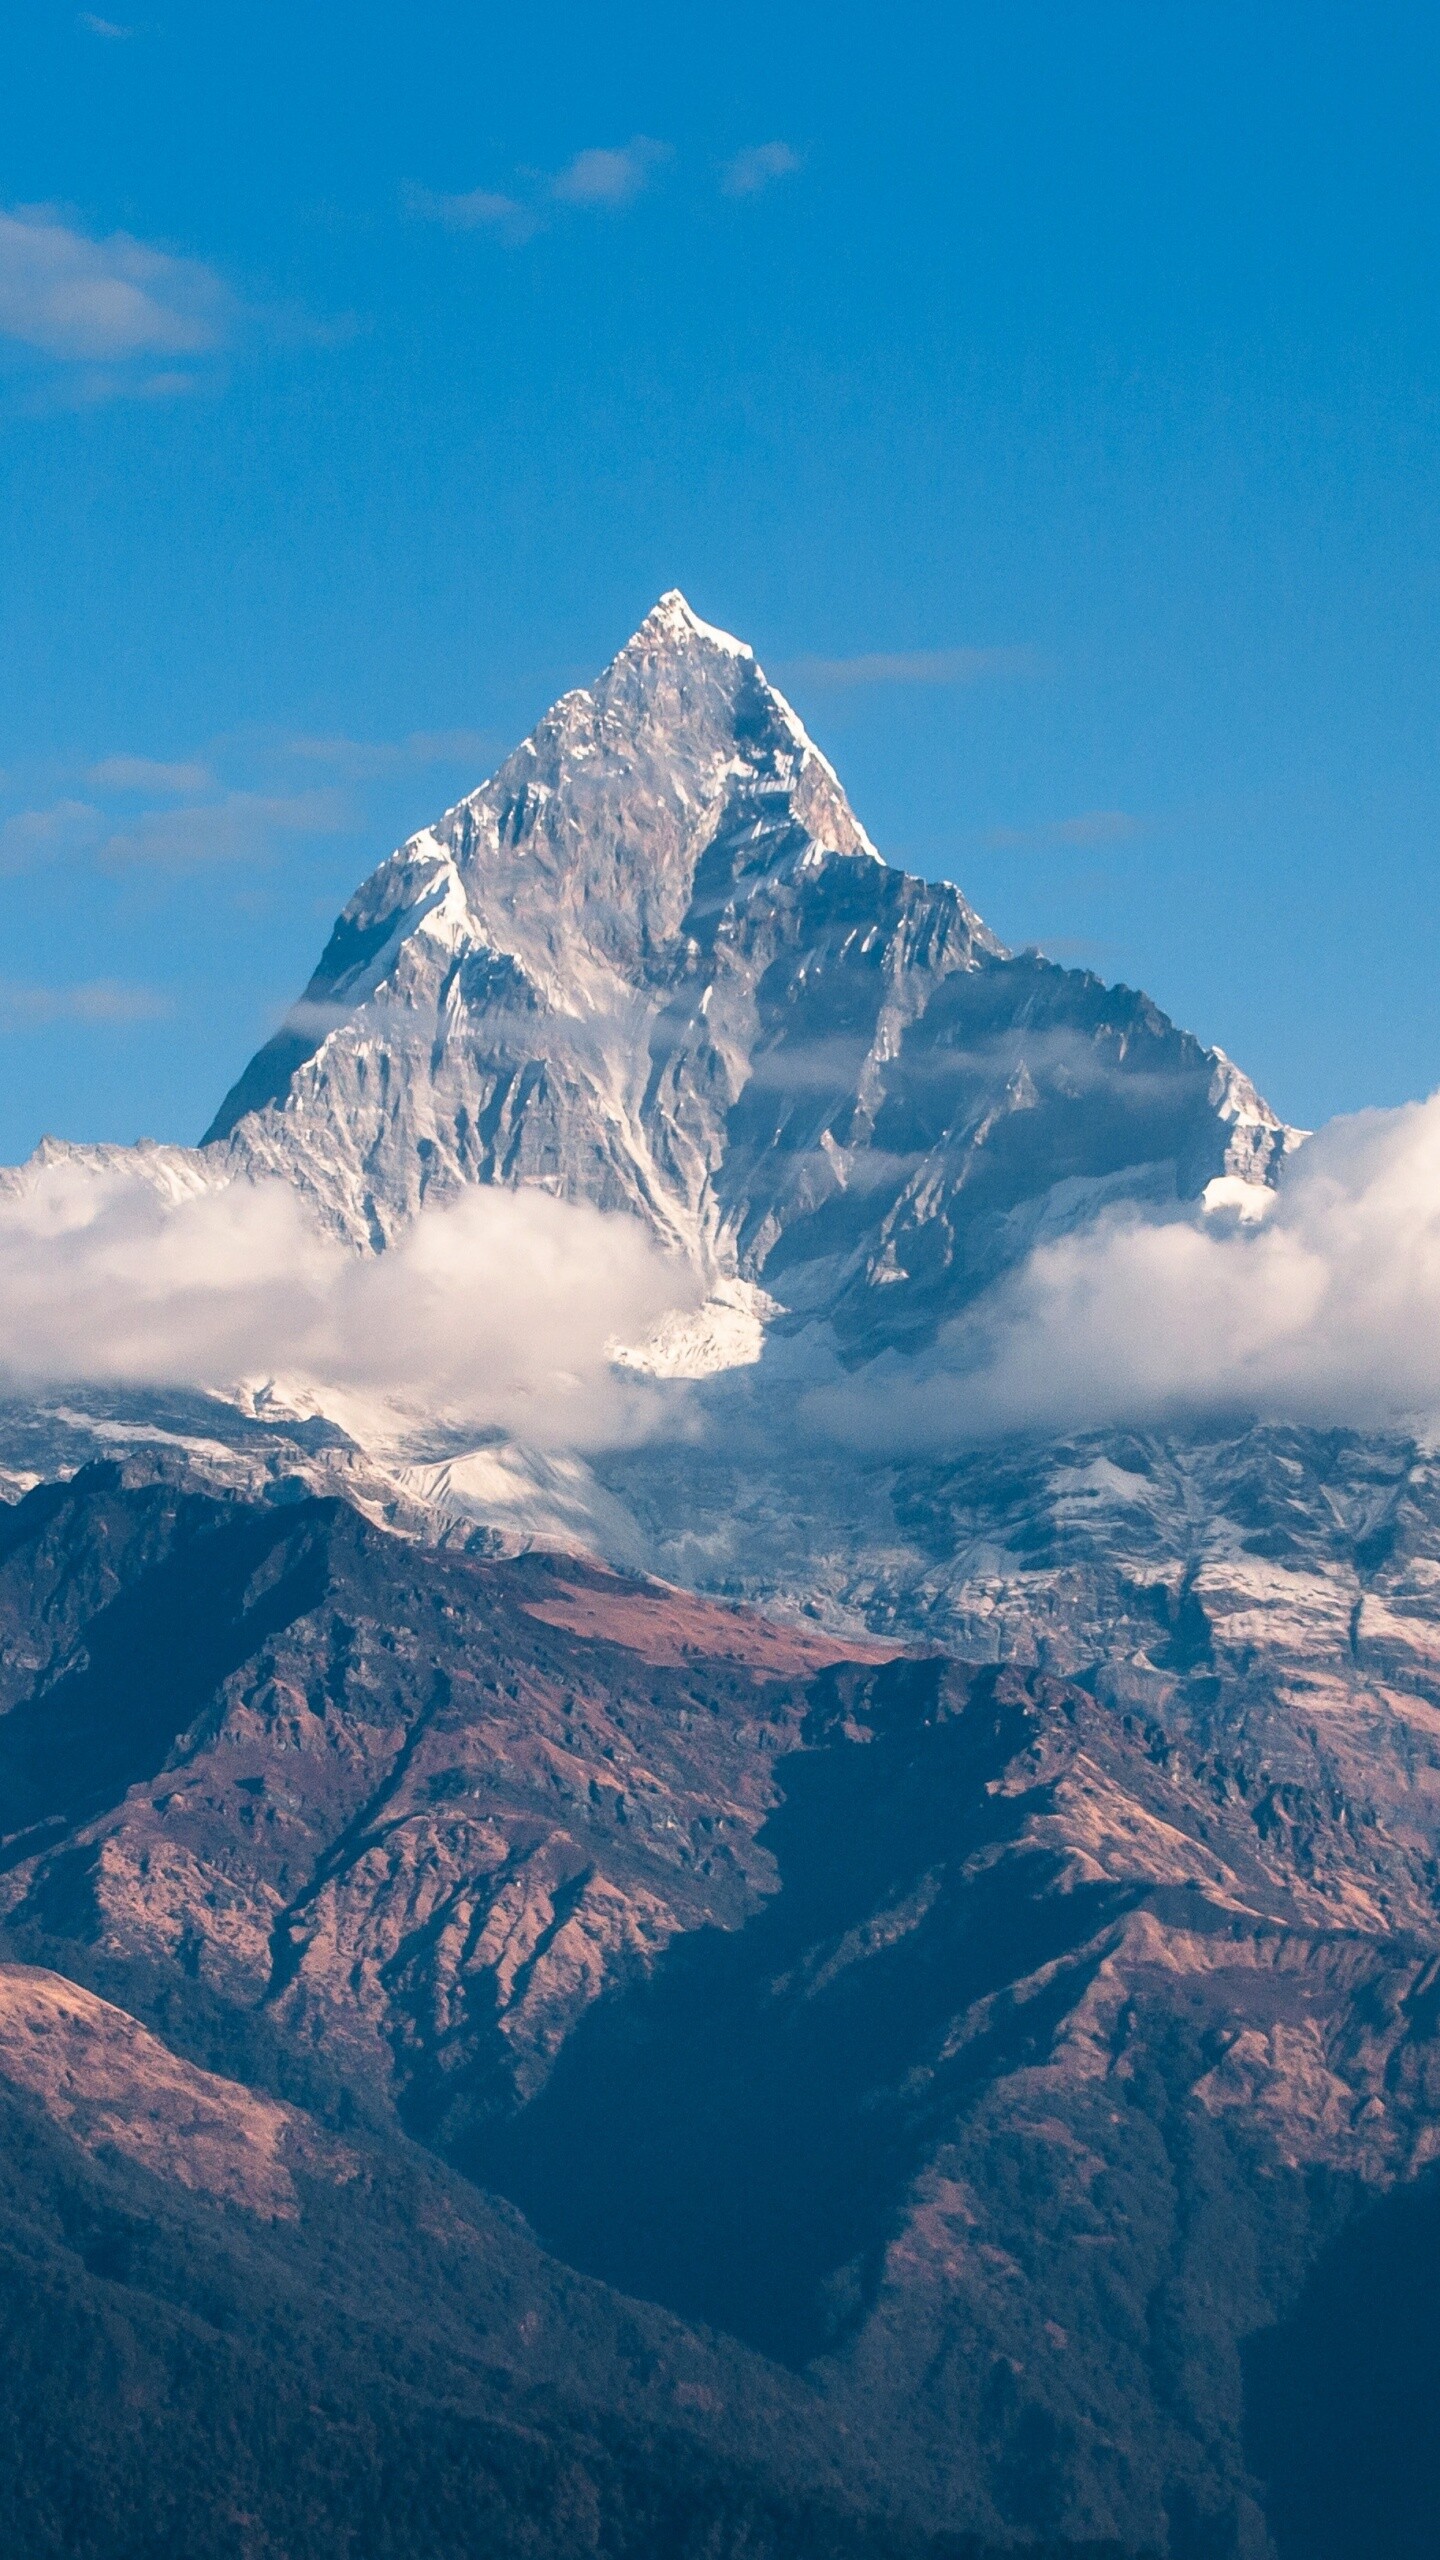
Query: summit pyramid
(656, 963)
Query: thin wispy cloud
(477, 209)
(914, 666)
(362, 759)
(148, 773)
(184, 832)
(80, 300)
(242, 827)
(96, 386)
(25, 1006)
(751, 171)
(30, 836)
(234, 803)
(1091, 827)
(610, 178)
(107, 27)
(601, 179)
(87, 318)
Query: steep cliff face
(656, 963)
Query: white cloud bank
(1325, 1311)
(503, 1308)
(497, 1310)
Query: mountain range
(749, 1987)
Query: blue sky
(1048, 392)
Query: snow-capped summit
(655, 962)
(673, 616)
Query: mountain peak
(655, 963)
(683, 693)
(671, 619)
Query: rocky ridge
(966, 2037)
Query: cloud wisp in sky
(1088, 828)
(610, 178)
(150, 773)
(603, 178)
(1325, 1311)
(241, 826)
(757, 167)
(475, 209)
(499, 1310)
(26, 1006)
(269, 811)
(130, 316)
(363, 759)
(189, 824)
(88, 319)
(913, 666)
(29, 837)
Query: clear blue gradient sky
(1048, 392)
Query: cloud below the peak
(498, 1310)
(1325, 1311)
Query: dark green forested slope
(181, 2380)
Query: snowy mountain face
(656, 963)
